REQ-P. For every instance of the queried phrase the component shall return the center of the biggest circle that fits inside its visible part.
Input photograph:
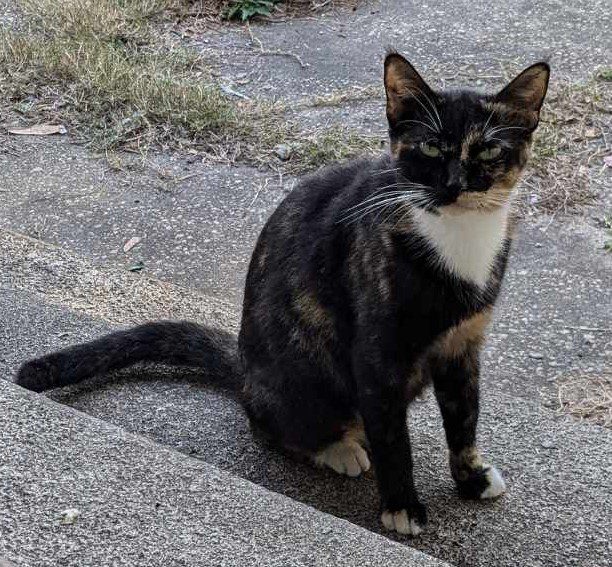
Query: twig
(595, 329)
(263, 51)
(177, 180)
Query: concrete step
(141, 504)
(558, 508)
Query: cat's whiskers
(379, 202)
(436, 127)
(384, 171)
(484, 128)
(382, 204)
(433, 107)
(418, 122)
(497, 129)
(381, 193)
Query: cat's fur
(369, 281)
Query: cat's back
(321, 199)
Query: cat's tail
(179, 343)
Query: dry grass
(105, 20)
(95, 66)
(573, 137)
(588, 398)
(339, 98)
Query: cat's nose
(453, 189)
(453, 181)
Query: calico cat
(370, 280)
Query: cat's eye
(429, 150)
(489, 154)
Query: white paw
(401, 523)
(345, 457)
(496, 487)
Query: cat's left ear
(527, 91)
(407, 92)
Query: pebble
(536, 355)
(70, 516)
(283, 151)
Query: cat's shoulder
(342, 176)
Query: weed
(246, 9)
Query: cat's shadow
(174, 408)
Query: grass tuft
(95, 65)
(569, 147)
(588, 398)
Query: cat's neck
(466, 242)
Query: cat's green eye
(489, 153)
(429, 150)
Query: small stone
(536, 355)
(283, 151)
(547, 444)
(70, 516)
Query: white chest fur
(466, 242)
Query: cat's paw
(345, 457)
(406, 522)
(482, 483)
(496, 486)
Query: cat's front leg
(383, 403)
(455, 370)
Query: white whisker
(489, 133)
(383, 171)
(484, 129)
(433, 106)
(429, 114)
(419, 122)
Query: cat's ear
(406, 90)
(527, 91)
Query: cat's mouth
(470, 201)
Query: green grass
(246, 9)
(605, 74)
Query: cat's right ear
(407, 93)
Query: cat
(370, 280)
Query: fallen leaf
(608, 160)
(39, 130)
(131, 243)
(591, 133)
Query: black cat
(370, 280)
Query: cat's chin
(471, 203)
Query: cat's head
(460, 149)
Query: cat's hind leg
(348, 455)
(306, 418)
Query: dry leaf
(608, 160)
(131, 243)
(39, 130)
